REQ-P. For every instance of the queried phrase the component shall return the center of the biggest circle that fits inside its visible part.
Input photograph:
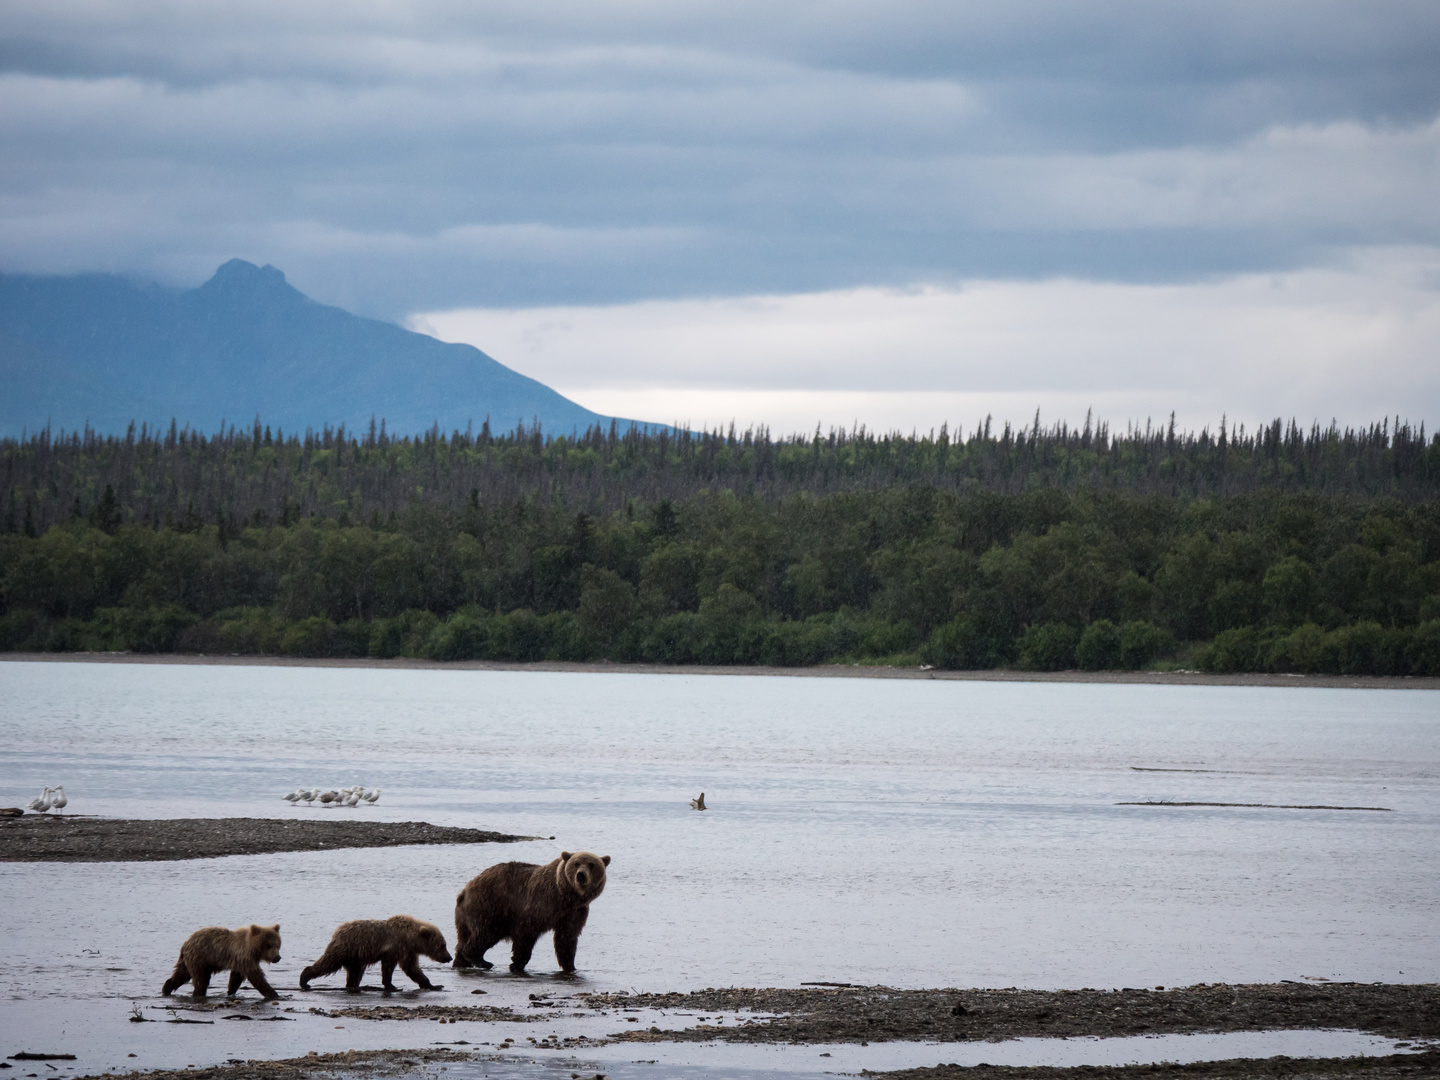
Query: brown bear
(396, 940)
(237, 951)
(521, 901)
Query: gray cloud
(399, 157)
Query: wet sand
(821, 671)
(72, 838)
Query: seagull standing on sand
(328, 797)
(58, 800)
(309, 795)
(353, 799)
(294, 796)
(371, 796)
(698, 804)
(41, 804)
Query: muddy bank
(352, 1063)
(821, 671)
(1392, 1067)
(37, 838)
(879, 1014)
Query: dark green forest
(1278, 550)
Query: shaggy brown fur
(396, 940)
(237, 951)
(521, 901)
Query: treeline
(1044, 579)
(184, 479)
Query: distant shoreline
(820, 671)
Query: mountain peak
(238, 276)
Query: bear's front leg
(520, 950)
(411, 966)
(567, 937)
(258, 980)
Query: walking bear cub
(388, 942)
(237, 951)
(521, 901)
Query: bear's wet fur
(399, 939)
(239, 952)
(521, 901)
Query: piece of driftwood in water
(23, 1056)
(1257, 805)
(73, 839)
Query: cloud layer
(1353, 344)
(400, 157)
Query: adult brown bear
(521, 901)
(237, 951)
(399, 939)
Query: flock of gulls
(350, 796)
(50, 799)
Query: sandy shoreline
(821, 671)
(72, 838)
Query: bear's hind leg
(236, 978)
(411, 966)
(475, 950)
(179, 977)
(387, 973)
(200, 981)
(463, 940)
(326, 965)
(520, 949)
(354, 973)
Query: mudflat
(72, 838)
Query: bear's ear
(564, 856)
(255, 929)
(605, 859)
(276, 928)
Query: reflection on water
(912, 833)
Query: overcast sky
(895, 213)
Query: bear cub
(239, 952)
(388, 942)
(521, 901)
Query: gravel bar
(1390, 1067)
(70, 838)
(881, 1014)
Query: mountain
(106, 350)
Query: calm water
(912, 833)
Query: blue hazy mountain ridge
(105, 350)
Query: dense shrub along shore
(1042, 579)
